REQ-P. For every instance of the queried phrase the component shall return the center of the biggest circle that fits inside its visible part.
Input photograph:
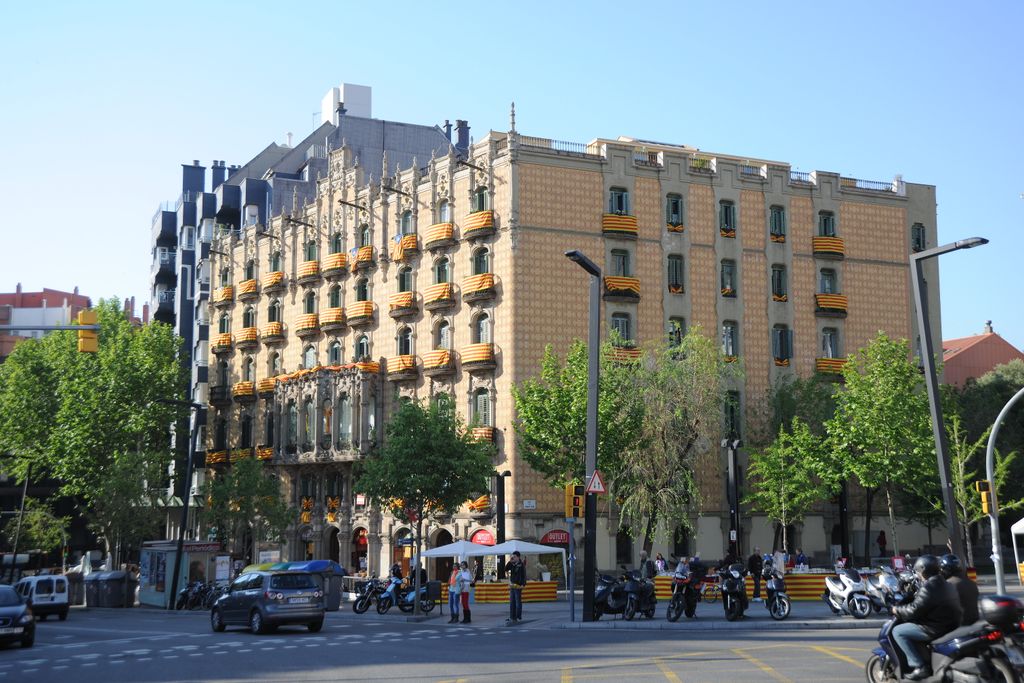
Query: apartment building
(47, 307)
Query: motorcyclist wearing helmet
(396, 571)
(951, 568)
(934, 612)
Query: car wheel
(29, 641)
(217, 621)
(256, 624)
(314, 627)
(63, 616)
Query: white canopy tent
(459, 549)
(1017, 530)
(464, 549)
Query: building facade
(48, 307)
(969, 358)
(448, 275)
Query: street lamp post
(501, 476)
(993, 506)
(932, 381)
(593, 351)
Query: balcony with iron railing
(332, 319)
(402, 367)
(264, 453)
(439, 296)
(402, 304)
(560, 147)
(438, 363)
(361, 313)
(618, 288)
(223, 296)
(247, 338)
(244, 391)
(478, 224)
(221, 343)
(335, 265)
(273, 332)
(307, 325)
(869, 185)
(239, 454)
(220, 395)
(830, 305)
(702, 164)
(647, 159)
(274, 282)
(439, 235)
(248, 290)
(478, 287)
(829, 247)
(478, 357)
(619, 225)
(309, 273)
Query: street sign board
(596, 483)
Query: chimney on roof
(18, 289)
(145, 314)
(448, 129)
(288, 137)
(988, 327)
(217, 174)
(462, 135)
(75, 292)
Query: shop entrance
(333, 551)
(358, 551)
(443, 565)
(402, 552)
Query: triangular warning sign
(596, 483)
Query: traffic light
(573, 500)
(986, 495)
(88, 341)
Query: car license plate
(297, 600)
(12, 629)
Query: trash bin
(113, 587)
(330, 576)
(433, 591)
(91, 586)
(76, 588)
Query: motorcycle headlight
(735, 574)
(26, 618)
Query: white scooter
(846, 593)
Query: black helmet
(927, 566)
(950, 565)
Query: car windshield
(280, 581)
(8, 597)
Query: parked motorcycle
(369, 594)
(884, 590)
(191, 596)
(734, 591)
(984, 652)
(845, 593)
(398, 594)
(640, 597)
(685, 594)
(610, 596)
(778, 602)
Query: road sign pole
(571, 581)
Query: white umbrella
(525, 548)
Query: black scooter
(640, 597)
(778, 602)
(610, 596)
(734, 591)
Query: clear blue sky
(103, 101)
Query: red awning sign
(555, 537)
(482, 537)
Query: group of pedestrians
(461, 580)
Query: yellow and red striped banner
(622, 284)
(829, 245)
(335, 262)
(836, 302)
(477, 283)
(273, 279)
(333, 316)
(478, 353)
(247, 287)
(360, 309)
(478, 220)
(401, 300)
(438, 232)
(309, 269)
(438, 358)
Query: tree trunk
(868, 498)
(775, 537)
(892, 521)
(416, 568)
(967, 545)
(649, 533)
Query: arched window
(444, 211)
(225, 276)
(334, 297)
(481, 261)
(482, 407)
(441, 270)
(250, 270)
(292, 430)
(224, 324)
(311, 250)
(405, 226)
(307, 423)
(334, 353)
(249, 317)
(344, 418)
(404, 341)
(405, 279)
(364, 235)
(274, 311)
(443, 335)
(246, 425)
(274, 366)
(481, 329)
(268, 424)
(275, 262)
(309, 302)
(362, 347)
(309, 357)
(480, 199)
(249, 369)
(362, 290)
(223, 374)
(336, 243)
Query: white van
(47, 594)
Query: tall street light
(932, 381)
(593, 353)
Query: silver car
(264, 600)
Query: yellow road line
(670, 675)
(832, 653)
(566, 675)
(763, 667)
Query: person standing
(465, 582)
(755, 563)
(882, 542)
(454, 589)
(647, 568)
(660, 564)
(516, 581)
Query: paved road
(150, 646)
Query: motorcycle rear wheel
(859, 606)
(1005, 671)
(629, 611)
(426, 605)
(405, 607)
(383, 605)
(734, 610)
(649, 613)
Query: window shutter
(777, 343)
(789, 343)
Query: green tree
(788, 477)
(811, 399)
(245, 505)
(980, 402)
(429, 464)
(92, 420)
(41, 529)
(881, 430)
(681, 390)
(552, 415)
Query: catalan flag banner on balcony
(830, 365)
(480, 504)
(266, 385)
(225, 293)
(368, 366)
(273, 279)
(478, 220)
(828, 245)
(265, 453)
(360, 309)
(400, 300)
(404, 245)
(309, 268)
(478, 283)
(247, 287)
(401, 363)
(273, 330)
(215, 457)
(613, 222)
(334, 262)
(243, 389)
(622, 284)
(438, 292)
(834, 302)
(482, 434)
(307, 321)
(439, 232)
(438, 358)
(478, 353)
(248, 335)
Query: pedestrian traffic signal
(981, 486)
(88, 342)
(573, 501)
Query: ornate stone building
(447, 274)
